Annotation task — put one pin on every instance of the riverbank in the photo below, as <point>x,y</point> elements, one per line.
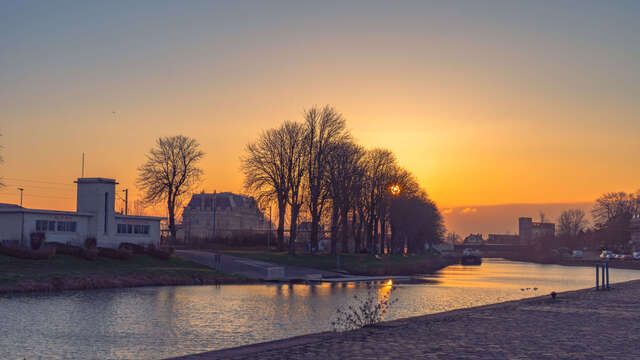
<point>583,324</point>
<point>356,264</point>
<point>565,261</point>
<point>65,272</point>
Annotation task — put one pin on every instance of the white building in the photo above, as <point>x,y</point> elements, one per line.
<point>95,218</point>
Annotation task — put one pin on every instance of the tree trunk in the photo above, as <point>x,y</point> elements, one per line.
<point>360,229</point>
<point>172,218</point>
<point>383,233</point>
<point>334,229</point>
<point>375,236</point>
<point>344,219</point>
<point>354,231</point>
<point>293,229</point>
<point>315,220</point>
<point>282,210</point>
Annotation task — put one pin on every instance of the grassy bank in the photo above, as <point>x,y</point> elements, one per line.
<point>65,272</point>
<point>359,264</point>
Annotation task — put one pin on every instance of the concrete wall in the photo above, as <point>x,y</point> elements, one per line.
<point>97,196</point>
<point>10,226</point>
<point>153,237</point>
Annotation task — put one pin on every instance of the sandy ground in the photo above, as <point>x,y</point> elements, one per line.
<point>585,324</point>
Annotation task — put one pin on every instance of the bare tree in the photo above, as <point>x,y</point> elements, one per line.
<point>571,223</point>
<point>613,205</point>
<point>171,171</point>
<point>380,169</point>
<point>344,175</point>
<point>264,166</point>
<point>323,128</point>
<point>293,134</point>
<point>138,208</point>
<point>453,238</point>
<point>612,214</point>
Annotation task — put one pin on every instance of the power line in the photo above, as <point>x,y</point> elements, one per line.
<point>38,181</point>
<point>45,187</point>
<point>27,195</point>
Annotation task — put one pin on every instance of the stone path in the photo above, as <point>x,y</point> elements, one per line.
<point>577,325</point>
<point>253,269</point>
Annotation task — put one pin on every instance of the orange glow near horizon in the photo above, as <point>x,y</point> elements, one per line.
<point>482,109</point>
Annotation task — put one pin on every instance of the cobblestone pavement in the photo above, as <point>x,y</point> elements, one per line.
<point>577,325</point>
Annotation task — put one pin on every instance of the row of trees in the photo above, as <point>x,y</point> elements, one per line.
<point>611,214</point>
<point>314,166</point>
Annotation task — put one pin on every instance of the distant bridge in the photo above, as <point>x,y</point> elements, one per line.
<point>493,250</point>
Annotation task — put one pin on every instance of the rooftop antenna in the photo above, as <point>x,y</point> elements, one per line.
<point>82,164</point>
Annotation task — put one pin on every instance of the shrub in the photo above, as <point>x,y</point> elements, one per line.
<point>37,239</point>
<point>367,311</point>
<point>134,248</point>
<point>90,243</point>
<point>77,251</point>
<point>43,253</point>
<point>121,254</point>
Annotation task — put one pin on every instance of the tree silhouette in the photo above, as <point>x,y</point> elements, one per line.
<point>171,170</point>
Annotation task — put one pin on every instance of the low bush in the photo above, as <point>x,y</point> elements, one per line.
<point>77,251</point>
<point>367,311</point>
<point>43,253</point>
<point>134,248</point>
<point>90,243</point>
<point>121,254</point>
<point>37,239</point>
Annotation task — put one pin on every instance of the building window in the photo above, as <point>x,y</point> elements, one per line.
<point>42,225</point>
<point>62,226</point>
<point>67,226</point>
<point>133,229</point>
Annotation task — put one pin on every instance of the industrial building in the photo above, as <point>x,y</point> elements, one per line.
<point>94,217</point>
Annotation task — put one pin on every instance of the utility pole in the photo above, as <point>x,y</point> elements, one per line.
<point>126,201</point>
<point>21,190</point>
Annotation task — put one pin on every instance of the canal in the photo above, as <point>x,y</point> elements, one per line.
<point>160,322</point>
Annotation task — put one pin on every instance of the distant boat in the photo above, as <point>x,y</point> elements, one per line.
<point>470,257</point>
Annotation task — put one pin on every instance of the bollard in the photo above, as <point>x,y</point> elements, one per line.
<point>597,276</point>
<point>607,276</point>
<point>602,278</point>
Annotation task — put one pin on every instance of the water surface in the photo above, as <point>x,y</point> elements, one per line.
<point>160,322</point>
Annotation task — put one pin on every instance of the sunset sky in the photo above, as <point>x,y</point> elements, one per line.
<point>485,102</point>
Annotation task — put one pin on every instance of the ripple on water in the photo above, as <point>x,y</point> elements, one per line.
<point>159,322</point>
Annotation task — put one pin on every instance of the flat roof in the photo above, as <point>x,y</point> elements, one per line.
<point>18,209</point>
<point>141,217</point>
<point>96,180</point>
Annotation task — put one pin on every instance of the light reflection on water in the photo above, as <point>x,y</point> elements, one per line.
<point>159,322</point>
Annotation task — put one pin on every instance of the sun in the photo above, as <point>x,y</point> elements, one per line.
<point>395,189</point>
